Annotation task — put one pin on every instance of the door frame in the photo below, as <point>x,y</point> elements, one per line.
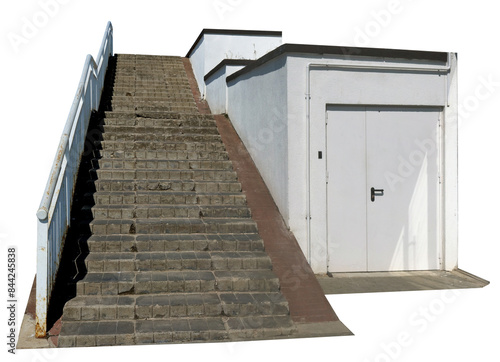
<point>440,167</point>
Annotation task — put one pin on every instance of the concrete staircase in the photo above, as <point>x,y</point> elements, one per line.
<point>174,255</point>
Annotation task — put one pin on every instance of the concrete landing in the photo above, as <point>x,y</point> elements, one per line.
<point>27,339</point>
<point>346,283</point>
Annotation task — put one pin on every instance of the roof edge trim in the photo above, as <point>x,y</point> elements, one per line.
<point>232,32</point>
<point>345,51</point>
<point>224,62</point>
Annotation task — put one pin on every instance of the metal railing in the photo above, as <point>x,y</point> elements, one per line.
<point>54,211</point>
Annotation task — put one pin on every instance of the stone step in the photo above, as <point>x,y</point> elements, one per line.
<point>164,155</point>
<point>159,71</point>
<point>172,174</point>
<point>145,68</point>
<point>175,242</point>
<point>178,330</point>
<point>150,137</point>
<point>178,130</point>
<point>155,164</point>
<point>177,260</point>
<point>150,60</point>
<point>172,226</point>
<point>148,102</point>
<point>145,90</point>
<point>161,115</point>
<point>130,97</point>
<point>186,281</point>
<point>139,94</point>
<point>140,108</point>
<point>167,185</point>
<point>153,80</point>
<point>156,72</point>
<point>167,198</point>
<point>146,122</point>
<point>115,212</point>
<point>216,146</point>
<point>179,305</point>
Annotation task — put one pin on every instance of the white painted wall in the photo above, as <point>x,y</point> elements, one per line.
<point>335,86</point>
<point>197,59</point>
<point>216,47</point>
<point>216,87</point>
<point>262,93</point>
<point>257,107</point>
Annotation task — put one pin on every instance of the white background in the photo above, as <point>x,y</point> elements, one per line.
<point>39,78</point>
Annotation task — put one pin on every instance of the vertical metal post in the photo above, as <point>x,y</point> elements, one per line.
<point>41,279</point>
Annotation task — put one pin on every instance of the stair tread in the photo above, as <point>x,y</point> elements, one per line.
<point>163,206</point>
<point>165,192</point>
<point>148,275</point>
<point>175,255</point>
<point>173,237</point>
<point>186,324</point>
<point>178,220</point>
<point>179,298</point>
<point>170,181</point>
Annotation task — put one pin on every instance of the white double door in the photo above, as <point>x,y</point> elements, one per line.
<point>383,188</point>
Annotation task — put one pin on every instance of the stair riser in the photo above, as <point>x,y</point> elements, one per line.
<point>162,146</point>
<point>166,228</point>
<point>100,213</point>
<point>153,175</point>
<point>164,185</point>
<point>160,138</point>
<point>189,264</point>
<point>157,165</point>
<point>181,286</point>
<point>147,105</point>
<point>160,116</point>
<point>164,155</point>
<point>169,199</point>
<point>138,97</point>
<point>180,109</point>
<point>150,86</point>
<point>144,122</point>
<point>163,337</point>
<point>160,130</point>
<point>144,90</point>
<point>131,312</point>
<point>179,245</point>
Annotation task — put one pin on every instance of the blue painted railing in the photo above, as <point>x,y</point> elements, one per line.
<point>54,211</point>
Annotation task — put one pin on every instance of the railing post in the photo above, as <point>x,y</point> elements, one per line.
<point>42,278</point>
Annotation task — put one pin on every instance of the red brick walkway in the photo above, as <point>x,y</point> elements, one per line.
<point>306,299</point>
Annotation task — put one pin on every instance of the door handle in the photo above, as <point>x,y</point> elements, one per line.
<point>376,192</point>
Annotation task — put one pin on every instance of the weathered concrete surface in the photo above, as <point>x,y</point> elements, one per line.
<point>345,283</point>
<point>27,339</point>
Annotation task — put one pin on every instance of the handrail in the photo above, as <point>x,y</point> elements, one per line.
<point>43,210</point>
<point>54,211</point>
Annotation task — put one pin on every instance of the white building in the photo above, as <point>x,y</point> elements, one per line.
<point>358,146</point>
